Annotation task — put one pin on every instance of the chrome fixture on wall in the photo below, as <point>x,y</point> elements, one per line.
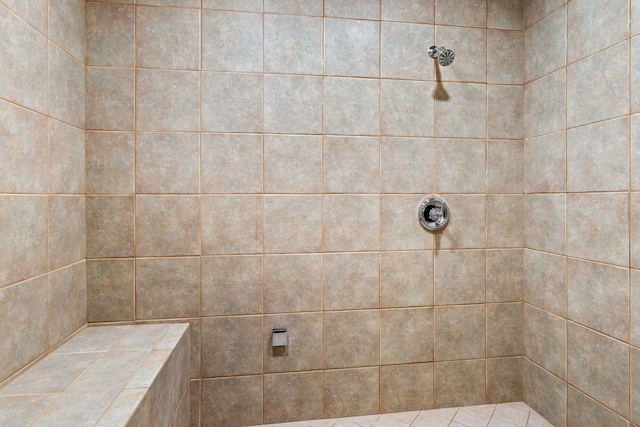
<point>445,56</point>
<point>433,213</point>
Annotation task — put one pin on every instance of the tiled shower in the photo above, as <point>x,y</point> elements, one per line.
<point>243,165</point>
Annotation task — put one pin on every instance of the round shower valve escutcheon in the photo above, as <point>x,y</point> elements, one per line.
<point>433,213</point>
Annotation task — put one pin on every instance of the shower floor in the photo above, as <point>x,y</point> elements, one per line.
<point>516,414</point>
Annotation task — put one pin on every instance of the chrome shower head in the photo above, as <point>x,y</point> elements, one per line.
<point>445,56</point>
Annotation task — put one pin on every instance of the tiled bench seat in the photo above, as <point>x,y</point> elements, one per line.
<point>111,376</point>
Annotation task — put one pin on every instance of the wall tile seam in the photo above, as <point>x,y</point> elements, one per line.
<point>40,114</point>
<point>547,14</point>
<point>2,4</point>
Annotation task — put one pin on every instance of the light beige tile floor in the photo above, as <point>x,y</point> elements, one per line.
<point>517,414</point>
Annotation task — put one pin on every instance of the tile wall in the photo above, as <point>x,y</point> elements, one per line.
<point>582,211</point>
<point>43,292</point>
<point>257,164</point>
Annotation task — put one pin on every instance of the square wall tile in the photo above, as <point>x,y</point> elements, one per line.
<point>167,288</point>
<point>233,400</point>
<point>167,163</point>
<point>304,352</point>
<point>167,38</point>
<point>292,164</point>
<point>225,221</point>
<point>293,44</point>
<point>582,410</point>
<point>352,47</point>
<point>406,108</point>
<point>232,102</point>
<point>505,65</point>
<point>33,12</point>
<point>545,163</point>
<point>403,162</point>
<point>293,397</point>
<point>461,12</point>
<point>231,346</point>
<point>460,166</point>
<point>504,380</point>
<point>403,54</point>
<point>351,281</point>
<point>459,383</point>
<point>351,106</point>
<point>350,339</point>
<point>66,158</point>
<point>231,163</point>
<point>110,98</point>
<point>167,225</point>
<point>231,285</point>
<point>546,393</point>
<point>67,301</point>
<point>460,332</point>
<point>470,44</point>
<point>406,388</point>
<point>545,340</point>
<point>364,9</point>
<point>461,100</point>
<point>345,228</point>
<point>292,104</point>
<point>459,277</point>
<point>231,41</point>
<point>67,26</point>
<point>67,230</point>
<point>506,14</point>
<point>544,222</point>
<point>111,290</point>
<point>406,279</point>
<point>504,225</point>
<point>292,224</point>
<point>23,151</point>
<point>546,105</point>
<point>242,5</point>
<point>167,100</point>
<point>294,7</point>
<point>504,166</point>
<point>535,10</point>
<point>408,10</point>
<point>505,275</point>
<point>408,329</point>
<point>67,93</point>
<point>110,226</point>
<point>544,281</point>
<point>292,283</point>
<point>504,330</point>
<point>467,227</point>
<point>110,162</point>
<point>350,392</point>
<point>505,107</point>
<point>110,35</point>
<point>399,229</point>
<point>351,165</point>
<point>24,230</point>
<point>547,35</point>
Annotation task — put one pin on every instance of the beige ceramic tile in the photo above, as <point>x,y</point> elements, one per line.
<point>460,332</point>
<point>292,224</point>
<point>67,301</point>
<point>504,380</point>
<point>83,405</point>
<point>403,163</point>
<point>232,102</point>
<point>350,339</point>
<point>110,162</point>
<point>351,164</point>
<point>67,230</point>
<point>232,400</point>
<point>225,222</point>
<point>457,100</point>
<point>365,9</point>
<point>406,387</point>
<point>24,409</point>
<point>231,346</point>
<point>292,104</point>
<point>635,385</point>
<point>546,105</point>
<point>545,349</point>
<point>545,163</point>
<point>504,166</point>
<point>504,330</point>
<point>635,75</point>
<point>110,290</point>
<point>399,228</point>
<point>66,94</point>
<point>504,222</point>
<point>352,47</point>
<point>294,7</point>
<point>292,164</point>
<point>345,228</point>
<point>231,285</point>
<point>505,275</point>
<point>544,222</point>
<point>459,383</point>
<point>535,10</point>
<point>110,35</point>
<point>408,11</point>
<point>34,12</point>
<point>505,107</point>
<point>231,41</point>
<point>544,281</point>
<point>66,158</point>
<point>467,43</point>
<point>460,166</point>
<point>506,14</point>
<point>110,98</point>
<point>351,106</point>
<point>292,397</point>
<point>304,351</point>
<point>67,26</point>
<point>292,44</point>
<point>505,64</point>
<point>399,289</point>
<point>110,226</point>
<point>459,277</point>
<point>546,35</point>
<point>461,12</point>
<point>634,298</point>
<point>408,329</point>
<point>400,56</point>
<point>351,281</point>
<point>292,283</point>
<point>406,108</point>
<point>467,227</point>
<point>635,152</point>
<point>546,393</point>
<point>243,5</point>
<point>231,163</point>
<point>350,392</point>
<point>582,410</point>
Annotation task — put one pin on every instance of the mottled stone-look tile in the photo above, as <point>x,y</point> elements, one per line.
<point>350,392</point>
<point>232,102</point>
<point>304,351</point>
<point>167,38</point>
<point>242,5</point>
<point>66,157</point>
<point>591,238</point>
<point>545,163</point>
<point>399,289</point>
<point>292,44</point>
<point>23,228</point>
<point>459,383</point>
<point>460,166</point>
<point>505,107</point>
<point>167,225</point>
<point>504,224</point>
<point>504,166</point>
<point>506,14</point>
<point>461,12</point>
<point>110,226</point>
<point>131,405</point>
<point>231,41</point>
<point>110,98</point>
<point>582,410</point>
<point>292,283</point>
<point>292,164</point>
<point>546,105</point>
<point>110,290</point>
<point>111,371</point>
<point>546,35</point>
<point>167,288</point>
<point>466,228</point>
<point>599,366</point>
<point>597,157</point>
<point>505,65</point>
<point>231,285</point>
<point>406,387</point>
<point>352,48</point>
<point>34,12</point>
<point>176,3</point>
<point>535,10</point>
<point>545,340</point>
<point>401,56</point>
<point>77,408</point>
<point>350,339</point>
<point>504,380</point>
<point>351,106</point>
<point>231,346</point>
<point>294,7</point>
<point>344,226</point>
<point>22,74</point>
<point>351,281</point>
<point>364,9</point>
<point>110,162</point>
<point>232,401</point>
<point>634,299</point>
<point>292,224</point>
<point>293,397</point>
<point>635,74</point>
<point>505,275</point>
<point>468,43</point>
<point>406,108</point>
<point>21,410</point>
<point>399,229</point>
<point>167,100</point>
<point>457,100</point>
<point>408,10</point>
<point>594,289</point>
<point>231,163</point>
<point>67,301</point>
<point>67,230</point>
<point>25,313</point>
<point>544,222</point>
<point>544,281</point>
<point>504,329</point>
<point>23,150</point>
<point>459,277</point>
<point>110,35</point>
<point>66,94</point>
<point>167,163</point>
<point>403,162</point>
<point>460,332</point>
<point>546,393</point>
<point>597,88</point>
<point>635,152</point>
<point>292,104</point>
<point>232,224</point>
<point>411,330</point>
<point>67,26</point>
<point>351,165</point>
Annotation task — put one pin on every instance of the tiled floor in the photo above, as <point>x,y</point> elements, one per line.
<point>516,414</point>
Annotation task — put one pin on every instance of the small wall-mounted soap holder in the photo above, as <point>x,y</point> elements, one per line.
<point>279,337</point>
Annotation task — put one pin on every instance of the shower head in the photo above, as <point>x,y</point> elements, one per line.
<point>445,56</point>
